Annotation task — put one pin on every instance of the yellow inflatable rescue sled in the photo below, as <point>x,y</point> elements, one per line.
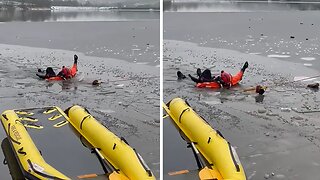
<point>118,160</point>
<point>31,162</point>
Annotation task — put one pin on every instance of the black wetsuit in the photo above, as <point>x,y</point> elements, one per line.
<point>205,76</point>
<point>49,73</point>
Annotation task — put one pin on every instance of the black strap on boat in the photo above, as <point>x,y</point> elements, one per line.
<point>50,109</point>
<point>5,116</point>
<point>106,165</point>
<point>5,162</point>
<point>85,109</point>
<point>209,139</point>
<point>103,166</point>
<point>204,119</point>
<point>101,161</point>
<point>20,151</point>
<point>13,140</point>
<point>31,118</point>
<point>220,134</point>
<point>83,120</point>
<point>60,123</point>
<point>55,116</point>
<point>182,113</point>
<point>196,156</point>
<point>40,173</point>
<point>114,146</point>
<point>233,159</point>
<point>144,165</point>
<point>188,103</point>
<point>67,111</point>
<point>168,104</point>
<point>124,140</point>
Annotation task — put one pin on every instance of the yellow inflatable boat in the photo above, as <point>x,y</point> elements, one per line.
<point>118,160</point>
<point>32,165</point>
<point>115,152</point>
<point>222,162</point>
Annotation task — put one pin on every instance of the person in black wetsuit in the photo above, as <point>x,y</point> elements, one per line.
<point>204,76</point>
<point>48,73</point>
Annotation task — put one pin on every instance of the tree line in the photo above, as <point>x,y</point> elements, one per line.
<point>39,3</point>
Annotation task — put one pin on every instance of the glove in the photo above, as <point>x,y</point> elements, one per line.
<point>199,72</point>
<point>180,75</point>
<point>75,57</point>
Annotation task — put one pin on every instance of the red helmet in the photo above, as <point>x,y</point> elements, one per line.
<point>226,78</point>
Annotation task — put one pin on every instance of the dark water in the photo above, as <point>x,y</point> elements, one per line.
<point>73,14</point>
<point>286,35</point>
<point>176,147</point>
<point>133,40</point>
<point>238,6</point>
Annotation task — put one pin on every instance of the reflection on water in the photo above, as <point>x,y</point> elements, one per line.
<point>238,6</point>
<point>47,15</point>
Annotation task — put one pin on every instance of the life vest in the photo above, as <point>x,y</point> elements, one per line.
<point>66,72</point>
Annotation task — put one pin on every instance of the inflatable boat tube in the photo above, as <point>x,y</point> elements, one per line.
<point>123,159</point>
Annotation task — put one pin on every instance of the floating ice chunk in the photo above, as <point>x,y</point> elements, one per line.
<point>255,53</point>
<point>315,164</point>
<point>280,176</point>
<point>212,102</point>
<point>308,58</point>
<point>255,155</point>
<point>285,109</point>
<point>106,111</point>
<point>142,63</point>
<point>299,78</point>
<point>307,64</point>
<point>272,114</point>
<point>262,111</point>
<point>278,56</point>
